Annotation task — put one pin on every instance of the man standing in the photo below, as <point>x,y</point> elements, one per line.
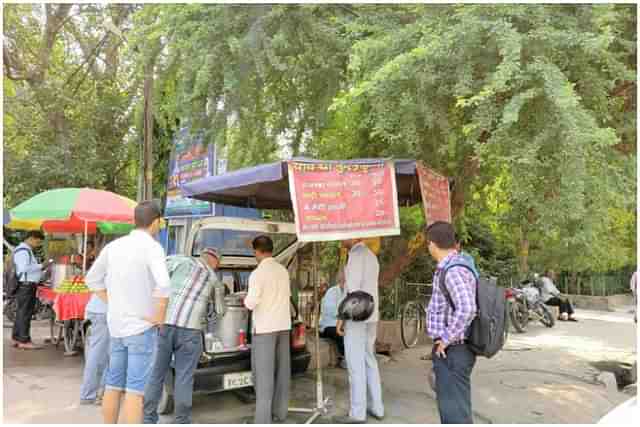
<point>551,295</point>
<point>180,337</point>
<point>329,316</point>
<point>96,353</point>
<point>269,297</point>
<point>29,274</point>
<point>447,325</point>
<point>361,274</point>
<point>131,276</point>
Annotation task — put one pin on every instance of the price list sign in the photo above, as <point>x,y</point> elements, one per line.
<point>435,194</point>
<point>342,200</point>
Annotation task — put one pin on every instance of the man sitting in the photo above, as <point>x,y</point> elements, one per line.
<point>329,316</point>
<point>551,296</point>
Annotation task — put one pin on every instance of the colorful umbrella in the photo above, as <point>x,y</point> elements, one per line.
<point>75,210</point>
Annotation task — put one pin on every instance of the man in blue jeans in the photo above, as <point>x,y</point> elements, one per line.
<point>192,283</point>
<point>97,353</point>
<point>130,276</point>
<point>447,325</point>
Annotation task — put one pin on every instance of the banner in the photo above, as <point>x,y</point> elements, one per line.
<point>336,200</point>
<point>435,194</point>
<point>190,159</point>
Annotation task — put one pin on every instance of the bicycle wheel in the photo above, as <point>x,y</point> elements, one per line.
<point>411,323</point>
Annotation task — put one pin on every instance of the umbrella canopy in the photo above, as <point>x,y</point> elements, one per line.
<point>68,209</point>
<point>267,186</point>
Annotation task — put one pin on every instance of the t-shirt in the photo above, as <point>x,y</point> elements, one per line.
<point>133,271</point>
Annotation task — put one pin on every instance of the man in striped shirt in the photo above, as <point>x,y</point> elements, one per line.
<point>447,324</point>
<point>192,283</point>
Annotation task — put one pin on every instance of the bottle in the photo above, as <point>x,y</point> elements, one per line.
<point>242,338</point>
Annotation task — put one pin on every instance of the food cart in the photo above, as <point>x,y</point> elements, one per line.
<point>73,214</point>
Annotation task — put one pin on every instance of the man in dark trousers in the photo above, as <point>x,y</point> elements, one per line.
<point>29,273</point>
<point>269,298</point>
<point>447,325</point>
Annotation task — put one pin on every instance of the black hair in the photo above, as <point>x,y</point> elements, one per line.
<point>263,244</point>
<point>36,234</point>
<point>146,212</point>
<point>442,234</point>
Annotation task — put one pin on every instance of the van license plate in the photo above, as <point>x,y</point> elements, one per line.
<point>239,380</point>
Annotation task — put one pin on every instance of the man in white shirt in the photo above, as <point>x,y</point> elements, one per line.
<point>269,298</point>
<point>131,276</point>
<point>360,337</point>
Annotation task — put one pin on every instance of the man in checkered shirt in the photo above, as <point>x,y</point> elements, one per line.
<point>453,361</point>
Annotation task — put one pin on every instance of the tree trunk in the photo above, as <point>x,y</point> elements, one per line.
<point>524,254</point>
<point>147,192</point>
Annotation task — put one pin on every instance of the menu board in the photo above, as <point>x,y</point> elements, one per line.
<point>190,159</point>
<point>435,194</point>
<point>341,200</point>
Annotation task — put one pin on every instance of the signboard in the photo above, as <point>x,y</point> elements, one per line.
<point>435,194</point>
<point>190,159</point>
<point>342,200</point>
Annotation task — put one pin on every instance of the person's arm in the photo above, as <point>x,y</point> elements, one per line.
<point>22,259</point>
<point>255,292</point>
<point>162,290</point>
<point>95,278</point>
<point>355,272</point>
<point>460,283</point>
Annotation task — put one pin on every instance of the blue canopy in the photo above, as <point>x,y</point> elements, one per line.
<point>267,186</point>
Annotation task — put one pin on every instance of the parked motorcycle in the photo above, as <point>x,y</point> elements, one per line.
<point>43,309</point>
<point>525,305</point>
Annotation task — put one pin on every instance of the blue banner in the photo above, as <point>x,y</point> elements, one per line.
<point>191,159</point>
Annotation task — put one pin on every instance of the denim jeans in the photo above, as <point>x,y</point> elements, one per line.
<point>185,345</point>
<point>97,357</point>
<point>453,384</point>
<point>130,362</point>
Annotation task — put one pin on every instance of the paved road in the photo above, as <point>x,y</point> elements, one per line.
<point>544,376</point>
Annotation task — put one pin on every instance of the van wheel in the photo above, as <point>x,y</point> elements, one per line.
<point>166,404</point>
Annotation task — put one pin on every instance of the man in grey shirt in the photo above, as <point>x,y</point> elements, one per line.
<point>360,337</point>
<point>550,295</point>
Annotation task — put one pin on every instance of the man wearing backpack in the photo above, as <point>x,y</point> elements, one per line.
<point>28,274</point>
<point>453,359</point>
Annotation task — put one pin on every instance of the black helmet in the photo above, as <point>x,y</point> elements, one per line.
<point>357,306</point>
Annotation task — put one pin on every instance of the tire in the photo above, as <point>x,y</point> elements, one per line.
<point>71,335</point>
<point>519,316</point>
<point>167,403</point>
<point>546,318</point>
<point>411,323</point>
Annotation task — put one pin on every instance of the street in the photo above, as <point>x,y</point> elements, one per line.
<point>543,376</point>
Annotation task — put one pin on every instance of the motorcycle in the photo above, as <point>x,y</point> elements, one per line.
<point>526,305</point>
<point>43,309</point>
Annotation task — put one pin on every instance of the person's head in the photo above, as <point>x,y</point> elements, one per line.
<point>211,256</point>
<point>262,247</point>
<point>34,238</point>
<point>441,239</point>
<point>350,243</point>
<point>91,248</point>
<point>342,278</point>
<point>148,217</point>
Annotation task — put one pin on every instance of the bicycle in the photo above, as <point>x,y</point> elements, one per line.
<point>412,314</point>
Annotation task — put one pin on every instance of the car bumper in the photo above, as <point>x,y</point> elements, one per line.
<point>209,377</point>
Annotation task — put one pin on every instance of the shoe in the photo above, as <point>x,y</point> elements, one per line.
<point>345,419</point>
<point>29,346</point>
<point>572,319</point>
<point>377,417</point>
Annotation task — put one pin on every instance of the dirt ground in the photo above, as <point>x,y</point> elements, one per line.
<point>543,376</point>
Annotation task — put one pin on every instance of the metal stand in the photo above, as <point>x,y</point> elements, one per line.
<point>322,402</point>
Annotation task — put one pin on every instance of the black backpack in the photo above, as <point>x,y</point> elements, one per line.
<point>11,279</point>
<point>488,330</point>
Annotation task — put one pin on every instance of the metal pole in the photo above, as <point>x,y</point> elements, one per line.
<point>319,391</point>
<point>84,251</point>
